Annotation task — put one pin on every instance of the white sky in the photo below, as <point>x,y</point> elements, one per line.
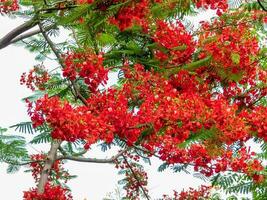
<point>94,180</point>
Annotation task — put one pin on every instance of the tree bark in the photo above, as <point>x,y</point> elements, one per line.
<point>6,40</point>
<point>51,157</point>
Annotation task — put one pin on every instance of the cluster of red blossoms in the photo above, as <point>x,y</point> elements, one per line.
<point>135,178</point>
<point>50,193</point>
<point>203,192</point>
<point>168,113</point>
<point>209,161</point>
<point>219,5</point>
<point>139,12</point>
<point>176,45</point>
<point>134,13</point>
<point>36,78</point>
<point>248,90</point>
<point>36,167</point>
<point>87,65</point>
<point>233,49</point>
<point>7,6</point>
<point>257,120</point>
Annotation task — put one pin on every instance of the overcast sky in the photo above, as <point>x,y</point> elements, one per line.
<point>94,180</point>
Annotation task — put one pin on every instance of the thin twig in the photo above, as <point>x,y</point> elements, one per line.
<point>263,8</point>
<point>136,178</point>
<point>55,51</point>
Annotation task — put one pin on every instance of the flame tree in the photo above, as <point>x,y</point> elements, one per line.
<point>191,97</point>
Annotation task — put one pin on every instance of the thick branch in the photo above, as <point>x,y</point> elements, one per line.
<point>51,157</point>
<point>93,160</point>
<point>29,34</point>
<point>7,39</point>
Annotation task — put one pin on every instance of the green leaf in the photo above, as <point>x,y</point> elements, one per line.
<point>201,135</point>
<point>106,39</point>
<point>12,150</point>
<point>162,167</point>
<point>37,95</point>
<point>75,14</point>
<point>44,137</point>
<point>12,169</point>
<point>24,127</point>
<point>235,58</point>
<point>180,48</point>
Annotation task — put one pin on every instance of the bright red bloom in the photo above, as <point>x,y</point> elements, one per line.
<point>135,13</point>
<point>50,193</point>
<point>36,167</point>
<point>176,41</point>
<point>7,6</point>
<point>233,49</point>
<point>219,5</point>
<point>36,78</point>
<point>202,192</point>
<point>87,65</point>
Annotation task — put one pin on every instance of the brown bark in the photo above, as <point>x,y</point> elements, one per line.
<point>51,157</point>
<point>6,40</point>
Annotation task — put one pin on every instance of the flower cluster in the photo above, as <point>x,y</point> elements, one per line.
<point>37,166</point>
<point>51,192</point>
<point>233,49</point>
<point>203,192</point>
<point>161,114</point>
<point>248,90</point>
<point>36,78</point>
<point>68,123</point>
<point>8,6</point>
<point>99,121</point>
<point>87,65</point>
<point>135,13</point>
<point>219,5</point>
<point>175,44</point>
<point>135,178</point>
<point>257,119</point>
<point>209,159</point>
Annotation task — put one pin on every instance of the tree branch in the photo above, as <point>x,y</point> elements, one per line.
<point>29,34</point>
<point>265,9</point>
<point>93,160</point>
<point>7,39</point>
<point>55,51</point>
<point>51,157</point>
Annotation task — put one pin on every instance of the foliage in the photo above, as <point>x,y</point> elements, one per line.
<point>192,97</point>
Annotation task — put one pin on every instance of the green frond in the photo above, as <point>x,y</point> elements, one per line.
<point>12,150</point>
<point>104,146</point>
<point>201,135</point>
<point>163,166</point>
<point>73,15</point>
<point>43,137</point>
<point>180,167</point>
<point>11,169</point>
<point>36,95</point>
<point>234,183</point>
<point>24,127</point>
<point>201,176</point>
